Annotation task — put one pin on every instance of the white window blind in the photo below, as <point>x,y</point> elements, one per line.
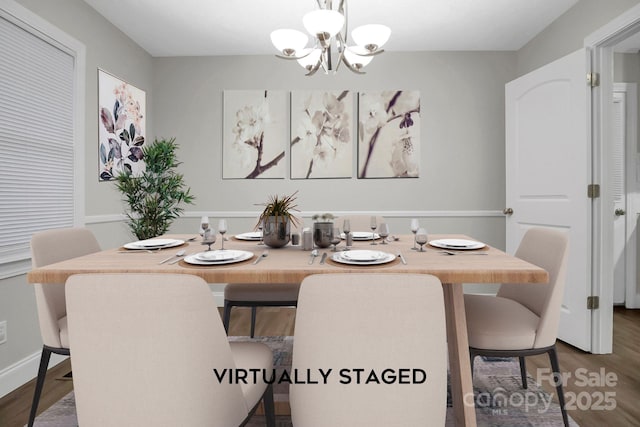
<point>36,139</point>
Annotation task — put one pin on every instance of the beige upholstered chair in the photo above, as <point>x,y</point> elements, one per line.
<point>522,320</point>
<point>258,295</point>
<point>379,323</point>
<point>48,247</point>
<point>150,350</point>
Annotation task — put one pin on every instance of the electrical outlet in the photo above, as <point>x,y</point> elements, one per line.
<point>3,332</point>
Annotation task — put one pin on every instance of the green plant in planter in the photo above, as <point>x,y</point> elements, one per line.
<point>153,199</point>
<point>276,220</point>
<point>281,207</point>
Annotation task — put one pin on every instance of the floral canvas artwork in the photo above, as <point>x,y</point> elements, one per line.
<point>121,127</point>
<point>322,134</point>
<point>389,134</point>
<point>254,134</point>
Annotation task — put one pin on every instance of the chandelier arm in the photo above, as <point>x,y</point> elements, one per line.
<point>295,57</point>
<point>351,67</point>
<point>288,57</point>
<point>314,69</point>
<point>374,53</point>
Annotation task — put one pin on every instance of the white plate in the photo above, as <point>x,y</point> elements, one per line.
<point>361,235</point>
<point>154,244</point>
<point>219,256</point>
<point>363,256</point>
<point>460,244</point>
<point>253,235</point>
<point>193,259</point>
<point>338,257</point>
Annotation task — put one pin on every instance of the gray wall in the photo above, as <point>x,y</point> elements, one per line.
<point>567,33</point>
<point>462,133</point>
<point>109,49</point>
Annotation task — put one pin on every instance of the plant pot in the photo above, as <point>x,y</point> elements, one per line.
<point>276,231</point>
<point>322,234</point>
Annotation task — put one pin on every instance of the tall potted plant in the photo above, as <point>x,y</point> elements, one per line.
<point>154,198</point>
<point>276,219</point>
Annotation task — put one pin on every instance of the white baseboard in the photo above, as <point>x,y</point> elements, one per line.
<point>24,371</point>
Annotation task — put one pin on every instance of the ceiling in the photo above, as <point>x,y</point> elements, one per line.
<point>242,27</point>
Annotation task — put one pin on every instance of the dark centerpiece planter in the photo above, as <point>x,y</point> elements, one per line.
<point>322,233</point>
<point>276,231</point>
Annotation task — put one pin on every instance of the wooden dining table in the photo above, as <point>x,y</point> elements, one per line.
<point>291,264</point>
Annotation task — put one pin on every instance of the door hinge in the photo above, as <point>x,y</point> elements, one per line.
<point>593,191</point>
<point>593,79</point>
<point>593,303</point>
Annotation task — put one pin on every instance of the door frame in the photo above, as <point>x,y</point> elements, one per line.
<point>601,43</point>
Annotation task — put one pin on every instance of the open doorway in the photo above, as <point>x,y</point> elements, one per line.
<point>625,180</point>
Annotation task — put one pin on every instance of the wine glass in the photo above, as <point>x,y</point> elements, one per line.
<point>373,224</point>
<point>222,228</point>
<point>209,237</point>
<point>421,238</point>
<point>415,225</point>
<point>346,227</point>
<point>335,238</point>
<point>383,231</point>
<point>260,223</point>
<point>204,223</point>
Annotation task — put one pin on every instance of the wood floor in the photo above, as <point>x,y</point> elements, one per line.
<point>591,382</point>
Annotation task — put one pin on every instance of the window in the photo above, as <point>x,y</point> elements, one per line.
<point>40,176</point>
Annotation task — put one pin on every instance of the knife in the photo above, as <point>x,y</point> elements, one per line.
<point>324,256</point>
<point>314,254</point>
<point>404,261</point>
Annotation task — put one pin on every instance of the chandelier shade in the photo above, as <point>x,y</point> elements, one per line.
<point>310,57</point>
<point>323,22</point>
<point>371,36</point>
<point>329,48</point>
<point>289,42</point>
<point>357,56</point>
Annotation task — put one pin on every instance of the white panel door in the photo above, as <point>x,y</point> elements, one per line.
<point>548,168</point>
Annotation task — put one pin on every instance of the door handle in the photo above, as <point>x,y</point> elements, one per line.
<point>507,211</point>
<point>619,212</point>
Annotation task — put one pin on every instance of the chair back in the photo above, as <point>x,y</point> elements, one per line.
<point>548,249</point>
<point>379,324</point>
<point>48,247</point>
<point>144,351</point>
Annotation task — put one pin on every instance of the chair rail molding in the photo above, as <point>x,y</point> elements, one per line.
<point>107,218</point>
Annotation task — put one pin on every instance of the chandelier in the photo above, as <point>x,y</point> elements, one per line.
<point>328,28</point>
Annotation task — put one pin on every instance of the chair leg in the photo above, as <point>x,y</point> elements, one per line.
<point>555,366</point>
<point>472,356</point>
<point>226,316</point>
<point>269,407</point>
<point>523,372</point>
<point>42,372</point>
<point>253,321</point>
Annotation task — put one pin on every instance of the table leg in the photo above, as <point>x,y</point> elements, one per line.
<point>459,365</point>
